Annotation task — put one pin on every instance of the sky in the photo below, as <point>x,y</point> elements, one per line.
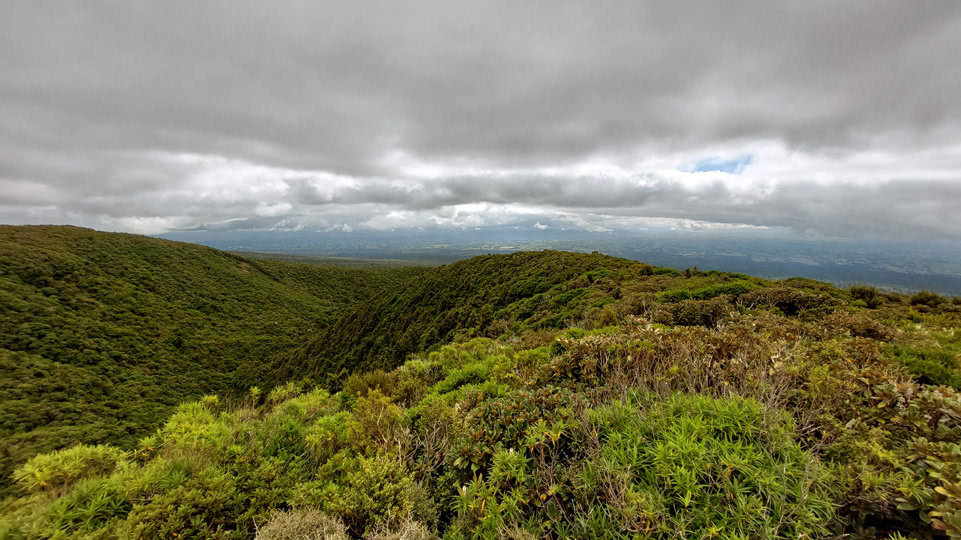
<point>840,119</point>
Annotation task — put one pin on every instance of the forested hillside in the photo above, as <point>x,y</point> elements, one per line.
<point>441,302</point>
<point>493,294</point>
<point>102,334</point>
<point>524,396</point>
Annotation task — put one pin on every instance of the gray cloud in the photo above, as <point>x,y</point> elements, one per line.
<point>177,114</point>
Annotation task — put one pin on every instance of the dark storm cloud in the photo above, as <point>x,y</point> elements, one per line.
<point>149,116</point>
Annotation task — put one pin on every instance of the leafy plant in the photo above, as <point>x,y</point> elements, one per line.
<point>694,466</point>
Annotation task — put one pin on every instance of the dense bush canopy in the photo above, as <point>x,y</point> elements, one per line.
<point>101,334</point>
<point>550,395</point>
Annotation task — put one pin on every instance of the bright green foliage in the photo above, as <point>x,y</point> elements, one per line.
<point>937,366</point>
<point>102,334</point>
<point>699,467</point>
<point>60,470</point>
<point>941,496</point>
<point>372,490</point>
<point>211,472</point>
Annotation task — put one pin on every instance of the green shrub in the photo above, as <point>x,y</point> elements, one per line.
<point>698,467</point>
<point>706,313</point>
<point>940,500</point>
<point>859,325</point>
<point>284,392</point>
<point>206,505</point>
<point>487,506</point>
<point>358,384</point>
<point>790,300</point>
<point>868,295</point>
<point>674,296</point>
<point>414,383</point>
<point>473,373</point>
<point>327,436</point>
<point>376,424</point>
<point>363,493</point>
<point>59,471</point>
<point>306,407</point>
<point>713,290</point>
<point>194,432</point>
<point>527,287</point>
<point>92,504</point>
<point>155,477</point>
<point>505,423</point>
<point>921,444</point>
<point>930,366</point>
<point>928,299</point>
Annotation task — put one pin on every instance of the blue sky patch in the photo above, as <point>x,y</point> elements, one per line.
<point>730,166</point>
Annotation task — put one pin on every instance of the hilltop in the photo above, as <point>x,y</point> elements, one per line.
<point>532,395</point>
<point>102,334</point>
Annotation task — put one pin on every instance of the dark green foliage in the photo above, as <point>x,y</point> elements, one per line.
<point>927,299</point>
<point>792,301</point>
<point>513,421</point>
<point>358,384</point>
<point>706,313</point>
<point>868,295</point>
<point>735,288</point>
<point>535,289</point>
<point>102,334</point>
<point>494,294</point>
<point>931,366</point>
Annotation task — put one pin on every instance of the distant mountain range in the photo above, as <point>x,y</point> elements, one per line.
<point>896,266</point>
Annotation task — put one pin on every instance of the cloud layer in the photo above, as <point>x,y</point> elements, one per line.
<point>842,119</point>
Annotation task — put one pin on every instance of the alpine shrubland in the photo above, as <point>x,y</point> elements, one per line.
<point>553,395</point>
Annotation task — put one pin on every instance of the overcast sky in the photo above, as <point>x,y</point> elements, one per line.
<point>842,118</point>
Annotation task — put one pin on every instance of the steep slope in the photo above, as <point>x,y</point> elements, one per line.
<point>494,294</point>
<point>102,334</point>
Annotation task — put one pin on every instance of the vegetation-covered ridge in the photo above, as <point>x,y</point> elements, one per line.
<point>608,400</point>
<point>486,296</point>
<point>102,334</point>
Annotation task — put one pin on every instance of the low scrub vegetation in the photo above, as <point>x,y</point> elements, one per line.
<point>759,426</point>
<point>496,398</point>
